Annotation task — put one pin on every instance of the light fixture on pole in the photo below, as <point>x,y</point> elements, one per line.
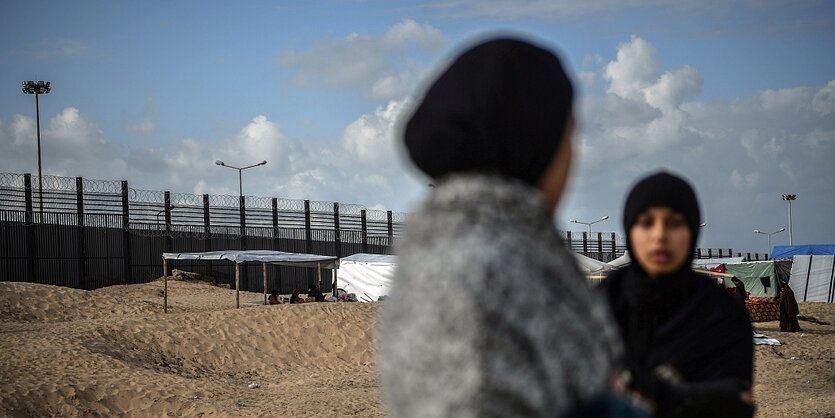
<point>37,88</point>
<point>589,224</point>
<point>703,224</point>
<point>757,231</point>
<point>240,170</point>
<point>789,198</point>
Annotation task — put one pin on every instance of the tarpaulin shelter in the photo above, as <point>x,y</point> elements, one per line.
<point>244,256</point>
<point>755,275</point>
<point>368,276</point>
<point>813,278</point>
<point>812,271</point>
<point>789,251</point>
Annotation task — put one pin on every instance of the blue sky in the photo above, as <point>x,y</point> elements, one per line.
<point>735,95</point>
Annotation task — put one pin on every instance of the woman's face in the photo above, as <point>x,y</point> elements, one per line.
<point>660,240</point>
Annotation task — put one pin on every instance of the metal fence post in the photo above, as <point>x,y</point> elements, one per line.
<point>28,222</point>
<point>275,223</point>
<point>364,232</point>
<point>600,246</point>
<point>614,247</point>
<point>207,224</point>
<point>390,248</point>
<point>308,234</point>
<point>337,239</point>
<point>585,243</point>
<point>169,242</point>
<point>242,203</point>
<point>126,253</point>
<point>82,241</point>
<point>568,239</point>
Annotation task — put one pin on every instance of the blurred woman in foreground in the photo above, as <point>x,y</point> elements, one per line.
<point>688,344</point>
<point>489,314</point>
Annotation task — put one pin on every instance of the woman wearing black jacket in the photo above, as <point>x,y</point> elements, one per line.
<point>689,351</point>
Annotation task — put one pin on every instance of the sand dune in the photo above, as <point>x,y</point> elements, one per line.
<point>113,352</point>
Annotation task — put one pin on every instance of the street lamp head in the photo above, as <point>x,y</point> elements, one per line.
<point>572,220</point>
<point>781,229</point>
<point>262,162</point>
<point>604,218</point>
<point>757,231</point>
<point>789,197</point>
<point>218,162</point>
<point>39,87</point>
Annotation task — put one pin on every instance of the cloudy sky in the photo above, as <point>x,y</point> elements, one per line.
<point>739,96</point>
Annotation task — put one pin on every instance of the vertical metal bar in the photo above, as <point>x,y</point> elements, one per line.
<point>165,281</point>
<point>585,243</point>
<point>308,233</point>
<point>275,224</point>
<point>334,286</point>
<point>364,231</point>
<point>237,285</point>
<point>126,252</point>
<point>169,242</point>
<point>28,223</point>
<point>264,273</point>
<point>390,249</point>
<point>319,276</point>
<point>337,239</point>
<point>82,230</point>
<point>614,247</point>
<point>600,245</point>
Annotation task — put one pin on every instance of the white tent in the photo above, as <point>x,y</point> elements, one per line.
<point>813,278</point>
<point>709,263</point>
<point>621,261</point>
<point>369,276</point>
<point>589,265</point>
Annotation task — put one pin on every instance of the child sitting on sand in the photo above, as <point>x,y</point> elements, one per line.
<point>295,298</point>
<point>273,299</point>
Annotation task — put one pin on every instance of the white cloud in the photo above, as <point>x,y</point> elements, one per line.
<point>148,122</point>
<point>740,154</point>
<point>824,100</point>
<point>502,9</point>
<point>381,67</point>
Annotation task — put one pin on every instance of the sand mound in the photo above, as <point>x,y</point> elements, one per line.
<point>113,352</point>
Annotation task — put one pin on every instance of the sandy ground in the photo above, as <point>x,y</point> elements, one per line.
<point>66,352</point>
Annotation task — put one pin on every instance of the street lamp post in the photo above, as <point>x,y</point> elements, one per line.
<point>37,88</point>
<point>757,231</point>
<point>589,224</point>
<point>789,198</point>
<point>240,170</point>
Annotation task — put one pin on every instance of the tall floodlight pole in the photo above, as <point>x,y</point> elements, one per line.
<point>37,88</point>
<point>240,175</point>
<point>789,198</point>
<point>757,231</point>
<point>589,224</point>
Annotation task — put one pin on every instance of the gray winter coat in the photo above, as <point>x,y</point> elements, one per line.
<point>489,314</point>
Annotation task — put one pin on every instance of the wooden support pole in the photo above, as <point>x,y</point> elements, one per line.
<point>319,276</point>
<point>165,280</point>
<point>264,271</point>
<point>237,285</point>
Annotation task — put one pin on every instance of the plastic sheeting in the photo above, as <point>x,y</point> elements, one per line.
<point>789,251</point>
<point>813,278</point>
<point>710,263</point>
<point>750,274</point>
<point>621,261</point>
<point>589,265</point>
<point>263,256</point>
<point>369,276</point>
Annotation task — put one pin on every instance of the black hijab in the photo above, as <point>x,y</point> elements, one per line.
<point>501,107</point>
<point>684,320</point>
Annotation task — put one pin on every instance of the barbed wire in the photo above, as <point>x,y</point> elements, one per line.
<point>146,196</point>
<point>376,215</point>
<point>186,199</point>
<point>12,180</point>
<point>321,206</point>
<point>350,209</point>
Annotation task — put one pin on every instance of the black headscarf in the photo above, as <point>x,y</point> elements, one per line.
<point>683,319</point>
<point>501,107</point>
<point>665,190</point>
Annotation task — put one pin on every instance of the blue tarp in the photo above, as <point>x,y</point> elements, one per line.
<point>789,251</point>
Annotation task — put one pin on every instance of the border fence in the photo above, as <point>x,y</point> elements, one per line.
<point>87,234</point>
